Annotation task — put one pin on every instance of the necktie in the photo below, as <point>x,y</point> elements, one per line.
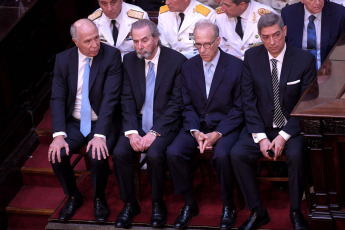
<point>208,77</point>
<point>182,18</point>
<point>115,31</point>
<point>311,37</point>
<point>238,28</point>
<point>85,110</point>
<point>278,117</point>
<point>147,120</point>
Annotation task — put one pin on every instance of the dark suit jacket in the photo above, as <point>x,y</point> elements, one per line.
<point>298,70</point>
<point>222,109</point>
<point>332,25</point>
<point>104,87</point>
<point>167,96</point>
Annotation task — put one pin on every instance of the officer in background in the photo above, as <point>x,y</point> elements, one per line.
<point>114,20</point>
<point>237,21</point>
<point>176,22</point>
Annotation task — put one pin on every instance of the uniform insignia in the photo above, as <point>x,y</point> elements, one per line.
<point>163,9</point>
<point>254,17</point>
<point>202,10</point>
<point>191,36</point>
<point>95,15</point>
<point>129,37</point>
<point>263,11</point>
<point>135,14</point>
<point>257,36</point>
<point>251,45</point>
<point>225,39</point>
<point>219,10</point>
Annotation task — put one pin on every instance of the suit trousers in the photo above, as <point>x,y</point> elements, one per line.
<point>245,154</point>
<point>181,153</point>
<point>99,168</point>
<point>124,158</point>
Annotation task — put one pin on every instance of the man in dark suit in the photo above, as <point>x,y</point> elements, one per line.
<point>82,106</point>
<point>314,25</point>
<point>151,109</point>
<point>275,75</point>
<point>212,118</point>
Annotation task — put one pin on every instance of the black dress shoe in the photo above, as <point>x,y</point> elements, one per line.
<point>101,210</point>
<point>228,218</point>
<point>298,221</point>
<point>255,221</point>
<point>68,210</point>
<point>159,215</point>
<point>185,216</point>
<point>125,217</point>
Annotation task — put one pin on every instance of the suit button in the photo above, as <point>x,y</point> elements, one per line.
<point>180,50</point>
<point>179,39</point>
<point>242,48</point>
<point>206,114</point>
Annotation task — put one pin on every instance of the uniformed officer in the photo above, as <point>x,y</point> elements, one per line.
<point>237,21</point>
<point>114,20</point>
<point>176,22</point>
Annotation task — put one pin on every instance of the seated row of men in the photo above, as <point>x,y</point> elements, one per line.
<point>237,21</point>
<point>239,109</point>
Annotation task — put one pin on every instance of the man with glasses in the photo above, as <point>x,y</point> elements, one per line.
<point>237,21</point>
<point>275,75</point>
<point>212,118</point>
<point>314,25</point>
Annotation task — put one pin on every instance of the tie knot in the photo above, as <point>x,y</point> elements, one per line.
<point>88,61</point>
<point>274,62</point>
<point>150,64</point>
<point>311,18</point>
<point>113,22</point>
<point>238,18</point>
<point>181,15</point>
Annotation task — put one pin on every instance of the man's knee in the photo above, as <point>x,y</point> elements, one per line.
<point>155,157</point>
<point>63,156</point>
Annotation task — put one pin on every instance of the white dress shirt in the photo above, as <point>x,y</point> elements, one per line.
<point>280,58</point>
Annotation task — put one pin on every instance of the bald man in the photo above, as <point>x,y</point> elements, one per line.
<point>85,91</point>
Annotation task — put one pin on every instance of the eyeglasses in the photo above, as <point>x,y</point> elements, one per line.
<point>205,45</point>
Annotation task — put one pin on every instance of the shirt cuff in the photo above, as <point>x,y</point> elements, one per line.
<point>100,135</point>
<point>59,134</point>
<point>131,132</point>
<point>257,137</point>
<point>192,130</point>
<point>220,134</point>
<point>285,135</point>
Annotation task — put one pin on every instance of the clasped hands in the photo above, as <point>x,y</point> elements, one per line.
<point>277,145</point>
<point>206,141</point>
<point>139,143</point>
<point>98,145</point>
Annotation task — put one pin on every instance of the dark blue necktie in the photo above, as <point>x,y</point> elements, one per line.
<point>311,37</point>
<point>85,110</point>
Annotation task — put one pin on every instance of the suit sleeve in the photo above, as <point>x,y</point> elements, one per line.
<point>292,127</point>
<point>111,94</point>
<point>173,109</point>
<point>253,119</point>
<point>190,117</point>
<point>234,118</point>
<point>58,97</point>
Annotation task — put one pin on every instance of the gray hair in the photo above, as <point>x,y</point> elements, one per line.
<point>146,22</point>
<point>202,24</point>
<point>73,29</point>
<point>237,2</point>
<point>270,19</point>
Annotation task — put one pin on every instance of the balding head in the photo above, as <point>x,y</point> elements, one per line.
<point>85,36</point>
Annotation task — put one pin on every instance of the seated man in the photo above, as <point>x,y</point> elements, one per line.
<point>86,88</point>
<point>151,110</point>
<point>275,75</point>
<point>114,20</point>
<point>212,118</point>
<point>314,25</point>
<point>176,22</point>
<point>237,21</point>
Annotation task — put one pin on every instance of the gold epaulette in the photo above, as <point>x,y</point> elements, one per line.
<point>135,14</point>
<point>219,10</point>
<point>263,11</point>
<point>95,15</point>
<point>163,9</point>
<point>202,10</point>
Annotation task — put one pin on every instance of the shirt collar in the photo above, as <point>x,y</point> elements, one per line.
<point>82,57</point>
<point>307,14</point>
<point>215,60</point>
<point>155,59</point>
<point>245,14</point>
<point>280,57</point>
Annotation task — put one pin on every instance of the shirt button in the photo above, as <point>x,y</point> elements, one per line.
<point>242,48</point>
<point>180,50</point>
<point>179,39</point>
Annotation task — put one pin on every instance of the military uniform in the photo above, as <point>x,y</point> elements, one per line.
<point>128,15</point>
<point>182,39</point>
<point>230,40</point>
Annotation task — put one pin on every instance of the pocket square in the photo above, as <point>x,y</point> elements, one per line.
<point>293,82</point>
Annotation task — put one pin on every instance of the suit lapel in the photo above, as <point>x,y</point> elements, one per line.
<point>140,67</point>
<point>266,70</point>
<point>217,77</point>
<point>325,29</point>
<point>161,68</point>
<point>200,77</point>
<point>95,66</point>
<point>285,71</point>
<point>73,70</point>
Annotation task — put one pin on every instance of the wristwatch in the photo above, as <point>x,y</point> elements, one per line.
<point>154,133</point>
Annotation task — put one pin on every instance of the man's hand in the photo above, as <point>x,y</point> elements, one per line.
<point>199,137</point>
<point>211,139</point>
<point>264,145</point>
<point>135,141</point>
<point>277,145</point>
<point>55,148</point>
<point>99,146</point>
<point>147,140</point>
